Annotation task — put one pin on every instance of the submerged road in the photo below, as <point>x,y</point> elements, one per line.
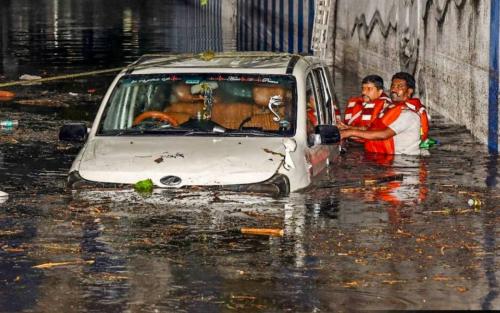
<point>352,242</point>
<point>348,243</point>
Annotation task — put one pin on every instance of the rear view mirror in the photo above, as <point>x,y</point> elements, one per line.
<point>329,134</point>
<point>75,132</point>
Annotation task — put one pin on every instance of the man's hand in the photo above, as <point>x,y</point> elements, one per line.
<point>341,125</point>
<point>367,134</point>
<point>345,133</point>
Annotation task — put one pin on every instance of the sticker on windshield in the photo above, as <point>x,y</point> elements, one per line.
<point>152,80</point>
<point>233,78</point>
<point>269,80</point>
<point>197,80</point>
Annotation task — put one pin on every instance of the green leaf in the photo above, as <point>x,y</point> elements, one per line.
<point>203,2</point>
<point>144,186</point>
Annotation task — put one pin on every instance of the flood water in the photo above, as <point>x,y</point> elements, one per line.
<point>348,244</point>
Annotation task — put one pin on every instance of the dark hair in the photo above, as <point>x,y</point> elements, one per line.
<point>376,80</point>
<point>407,77</point>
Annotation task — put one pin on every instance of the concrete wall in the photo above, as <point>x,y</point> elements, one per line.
<point>444,43</point>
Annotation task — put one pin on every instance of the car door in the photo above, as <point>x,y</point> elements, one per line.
<point>319,111</point>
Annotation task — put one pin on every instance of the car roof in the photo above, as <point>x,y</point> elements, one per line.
<point>254,61</point>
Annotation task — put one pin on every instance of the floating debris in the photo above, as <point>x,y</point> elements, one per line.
<point>474,202</point>
<point>11,232</point>
<point>29,77</point>
<point>56,264</point>
<point>276,232</point>
<point>6,95</point>
<point>144,186</point>
<point>43,102</point>
<point>3,196</point>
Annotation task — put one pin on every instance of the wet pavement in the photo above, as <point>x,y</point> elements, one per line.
<point>357,240</point>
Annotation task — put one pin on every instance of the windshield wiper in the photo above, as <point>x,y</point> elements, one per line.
<point>142,131</point>
<point>215,131</point>
<point>256,132</point>
<point>121,132</point>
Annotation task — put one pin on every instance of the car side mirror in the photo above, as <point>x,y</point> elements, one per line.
<point>329,134</point>
<point>75,132</point>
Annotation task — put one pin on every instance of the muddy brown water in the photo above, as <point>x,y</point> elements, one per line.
<point>348,244</point>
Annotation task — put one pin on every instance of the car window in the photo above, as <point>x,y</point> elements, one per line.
<point>319,96</point>
<point>327,98</point>
<point>232,103</point>
<point>312,115</point>
<point>332,101</point>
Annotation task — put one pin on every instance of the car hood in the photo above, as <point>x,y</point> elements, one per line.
<point>195,160</point>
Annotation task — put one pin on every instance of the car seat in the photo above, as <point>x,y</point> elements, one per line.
<point>262,117</point>
<point>184,105</point>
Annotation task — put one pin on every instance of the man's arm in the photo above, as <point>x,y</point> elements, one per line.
<point>367,134</point>
<point>342,126</point>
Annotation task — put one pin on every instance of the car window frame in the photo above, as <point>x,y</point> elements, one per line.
<point>294,103</point>
<point>330,86</point>
<point>319,96</point>
<point>326,95</point>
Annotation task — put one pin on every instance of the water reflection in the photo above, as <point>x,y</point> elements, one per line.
<point>173,251</point>
<point>354,238</point>
<point>77,33</point>
<point>354,241</point>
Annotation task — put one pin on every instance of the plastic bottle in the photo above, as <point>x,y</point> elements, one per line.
<point>9,123</point>
<point>429,142</point>
<point>474,202</point>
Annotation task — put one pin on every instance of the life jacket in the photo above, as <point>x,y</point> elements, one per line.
<point>389,115</point>
<point>336,110</point>
<point>415,105</point>
<point>385,118</point>
<point>311,116</point>
<point>360,113</point>
<point>354,105</point>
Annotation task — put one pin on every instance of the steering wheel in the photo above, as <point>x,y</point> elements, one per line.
<point>162,116</point>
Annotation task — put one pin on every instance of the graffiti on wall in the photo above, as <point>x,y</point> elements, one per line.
<point>440,11</point>
<point>402,20</point>
<point>365,28</point>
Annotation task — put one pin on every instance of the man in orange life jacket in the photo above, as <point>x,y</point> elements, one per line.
<point>361,111</point>
<point>399,128</point>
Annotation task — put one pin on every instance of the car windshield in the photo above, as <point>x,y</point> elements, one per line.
<point>201,104</point>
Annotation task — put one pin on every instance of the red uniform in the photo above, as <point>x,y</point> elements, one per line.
<point>360,113</point>
<point>417,106</point>
<point>391,114</point>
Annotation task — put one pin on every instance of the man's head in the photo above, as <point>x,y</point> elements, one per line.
<point>372,87</point>
<point>402,86</point>
<point>310,99</point>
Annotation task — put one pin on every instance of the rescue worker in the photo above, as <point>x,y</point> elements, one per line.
<point>402,89</point>
<point>312,119</point>
<point>361,111</point>
<point>399,128</point>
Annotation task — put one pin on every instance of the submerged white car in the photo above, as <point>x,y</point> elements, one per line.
<point>234,121</point>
